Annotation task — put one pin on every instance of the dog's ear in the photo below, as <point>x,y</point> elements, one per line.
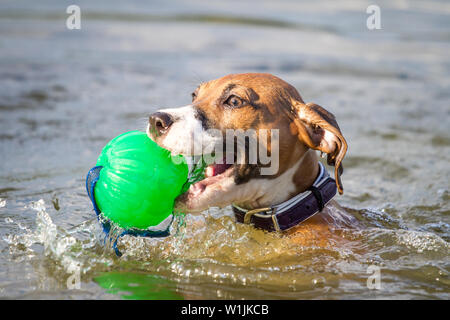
<point>318,129</point>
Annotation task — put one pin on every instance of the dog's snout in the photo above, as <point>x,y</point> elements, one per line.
<point>160,122</point>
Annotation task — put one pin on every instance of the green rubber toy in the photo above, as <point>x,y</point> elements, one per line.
<point>139,181</point>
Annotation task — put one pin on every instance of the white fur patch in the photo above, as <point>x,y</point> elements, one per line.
<point>186,135</point>
<point>265,192</point>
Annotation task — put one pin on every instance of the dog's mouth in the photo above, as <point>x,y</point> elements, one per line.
<point>214,174</point>
<point>211,182</point>
<point>214,184</point>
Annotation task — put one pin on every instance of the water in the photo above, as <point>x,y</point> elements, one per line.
<point>64,94</point>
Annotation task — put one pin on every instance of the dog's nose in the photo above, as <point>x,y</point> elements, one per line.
<point>160,122</point>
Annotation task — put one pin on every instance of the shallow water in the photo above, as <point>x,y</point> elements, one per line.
<point>64,94</point>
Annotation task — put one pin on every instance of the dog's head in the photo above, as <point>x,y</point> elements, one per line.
<point>262,136</point>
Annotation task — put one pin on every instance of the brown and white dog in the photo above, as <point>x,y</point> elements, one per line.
<point>255,101</point>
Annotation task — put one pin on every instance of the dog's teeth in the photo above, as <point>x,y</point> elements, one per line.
<point>209,172</point>
<point>196,189</point>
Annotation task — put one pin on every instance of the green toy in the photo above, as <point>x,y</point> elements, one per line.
<point>138,181</point>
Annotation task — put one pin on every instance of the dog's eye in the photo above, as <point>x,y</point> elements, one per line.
<point>234,101</point>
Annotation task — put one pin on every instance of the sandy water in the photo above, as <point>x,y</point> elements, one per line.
<point>64,94</point>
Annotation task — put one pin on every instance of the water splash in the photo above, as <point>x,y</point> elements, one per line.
<point>65,247</point>
<point>212,248</point>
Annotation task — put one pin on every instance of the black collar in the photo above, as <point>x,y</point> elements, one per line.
<point>294,211</point>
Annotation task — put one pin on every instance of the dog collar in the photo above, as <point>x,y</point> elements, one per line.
<point>294,211</point>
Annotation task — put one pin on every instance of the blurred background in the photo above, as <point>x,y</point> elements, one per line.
<point>65,93</point>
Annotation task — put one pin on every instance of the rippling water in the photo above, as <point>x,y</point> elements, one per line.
<point>64,94</point>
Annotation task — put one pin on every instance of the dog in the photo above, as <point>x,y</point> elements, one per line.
<point>259,101</point>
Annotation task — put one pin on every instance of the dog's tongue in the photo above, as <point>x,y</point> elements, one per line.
<point>216,169</point>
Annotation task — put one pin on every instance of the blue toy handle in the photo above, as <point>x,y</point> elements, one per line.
<point>91,179</point>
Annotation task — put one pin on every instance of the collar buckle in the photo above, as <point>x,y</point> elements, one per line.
<point>248,215</point>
